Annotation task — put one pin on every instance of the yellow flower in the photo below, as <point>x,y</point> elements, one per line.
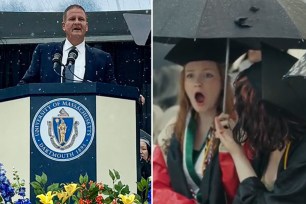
<point>63,196</point>
<point>70,189</point>
<point>46,199</point>
<point>127,199</point>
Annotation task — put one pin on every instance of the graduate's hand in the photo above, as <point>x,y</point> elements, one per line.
<point>224,126</point>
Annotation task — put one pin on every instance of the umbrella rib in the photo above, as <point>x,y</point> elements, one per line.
<point>226,74</point>
<point>202,13</point>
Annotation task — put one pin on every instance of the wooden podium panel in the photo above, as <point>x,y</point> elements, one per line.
<point>119,129</point>
<point>15,142</point>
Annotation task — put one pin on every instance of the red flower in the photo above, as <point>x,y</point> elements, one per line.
<point>100,186</point>
<point>99,199</point>
<point>81,201</point>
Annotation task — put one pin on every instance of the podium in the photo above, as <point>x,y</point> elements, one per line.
<point>65,130</point>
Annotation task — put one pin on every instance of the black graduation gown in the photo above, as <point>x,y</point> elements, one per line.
<point>145,168</point>
<point>290,184</point>
<point>211,186</point>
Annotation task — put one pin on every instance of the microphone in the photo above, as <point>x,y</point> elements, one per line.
<point>57,60</point>
<point>72,56</point>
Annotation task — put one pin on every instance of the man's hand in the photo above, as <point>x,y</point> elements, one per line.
<point>142,100</point>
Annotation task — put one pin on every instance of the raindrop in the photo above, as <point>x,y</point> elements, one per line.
<point>32,34</point>
<point>57,21</point>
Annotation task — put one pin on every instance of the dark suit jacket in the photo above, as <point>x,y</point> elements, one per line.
<point>98,68</point>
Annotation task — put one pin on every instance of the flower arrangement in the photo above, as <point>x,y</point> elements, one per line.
<point>90,192</point>
<point>8,190</point>
<point>84,192</point>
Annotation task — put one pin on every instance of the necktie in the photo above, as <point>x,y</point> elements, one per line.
<point>69,71</point>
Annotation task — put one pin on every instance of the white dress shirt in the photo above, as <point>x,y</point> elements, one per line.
<point>79,66</point>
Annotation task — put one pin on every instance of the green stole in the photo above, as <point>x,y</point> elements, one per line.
<point>192,166</point>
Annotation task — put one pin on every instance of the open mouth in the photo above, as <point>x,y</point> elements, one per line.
<point>199,97</point>
<point>77,29</point>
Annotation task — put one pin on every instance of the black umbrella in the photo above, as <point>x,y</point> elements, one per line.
<point>277,22</point>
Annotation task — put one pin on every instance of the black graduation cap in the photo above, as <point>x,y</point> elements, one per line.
<point>140,27</point>
<point>277,90</point>
<point>145,137</point>
<point>187,50</point>
<point>254,73</point>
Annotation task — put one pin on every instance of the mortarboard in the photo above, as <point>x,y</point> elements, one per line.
<point>145,137</point>
<point>277,90</point>
<point>285,93</point>
<point>253,73</point>
<point>187,50</point>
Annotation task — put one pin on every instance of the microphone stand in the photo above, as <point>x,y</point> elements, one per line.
<point>64,74</point>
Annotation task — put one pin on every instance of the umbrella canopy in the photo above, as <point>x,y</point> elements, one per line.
<point>270,21</point>
<point>187,50</point>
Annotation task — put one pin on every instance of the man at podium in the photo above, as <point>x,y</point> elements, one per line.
<point>71,60</point>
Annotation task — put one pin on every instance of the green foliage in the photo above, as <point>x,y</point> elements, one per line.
<point>143,187</point>
<point>117,188</point>
<point>88,191</point>
<point>39,185</point>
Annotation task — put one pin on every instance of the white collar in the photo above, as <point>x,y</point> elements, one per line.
<point>80,47</point>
